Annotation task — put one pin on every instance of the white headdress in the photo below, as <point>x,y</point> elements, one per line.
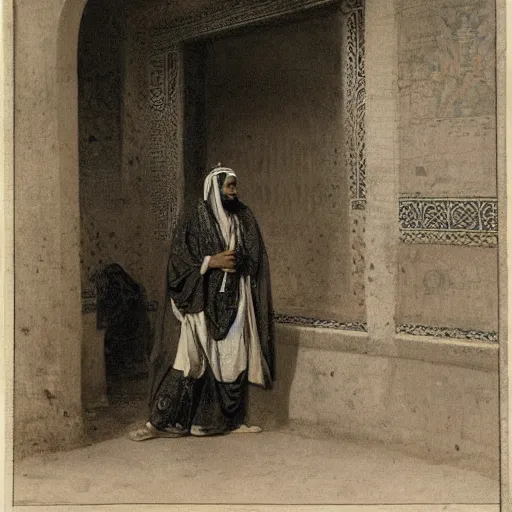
<point>212,195</point>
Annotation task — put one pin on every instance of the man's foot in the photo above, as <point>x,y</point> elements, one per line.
<point>198,431</point>
<point>148,431</point>
<point>244,429</point>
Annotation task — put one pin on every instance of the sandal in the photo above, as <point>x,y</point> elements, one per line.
<point>148,431</point>
<point>198,431</point>
<point>244,429</point>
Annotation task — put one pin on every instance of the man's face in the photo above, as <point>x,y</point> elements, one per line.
<point>229,196</point>
<point>229,188</point>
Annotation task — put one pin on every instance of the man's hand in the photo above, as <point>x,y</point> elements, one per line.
<point>224,260</point>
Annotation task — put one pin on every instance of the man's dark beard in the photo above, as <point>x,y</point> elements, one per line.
<point>231,205</point>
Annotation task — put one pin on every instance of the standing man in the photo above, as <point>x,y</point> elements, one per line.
<point>219,290</point>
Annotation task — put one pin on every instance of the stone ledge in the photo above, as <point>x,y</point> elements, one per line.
<point>446,351</point>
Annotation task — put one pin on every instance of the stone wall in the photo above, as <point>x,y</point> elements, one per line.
<point>47,391</point>
<point>448,207</point>
<point>112,219</point>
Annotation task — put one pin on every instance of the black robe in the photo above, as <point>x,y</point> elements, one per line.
<point>197,236</point>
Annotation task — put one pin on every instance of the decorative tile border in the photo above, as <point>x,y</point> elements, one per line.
<point>315,322</point>
<point>447,332</point>
<point>354,92</point>
<point>358,204</point>
<point>449,214</point>
<point>224,14</point>
<point>450,238</point>
<point>472,222</point>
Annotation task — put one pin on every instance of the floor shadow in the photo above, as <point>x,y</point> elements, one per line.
<point>270,408</point>
<point>128,399</point>
<point>127,409</point>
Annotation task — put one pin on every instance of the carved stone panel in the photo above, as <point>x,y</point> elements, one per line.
<point>164,143</point>
<point>472,222</point>
<point>354,90</point>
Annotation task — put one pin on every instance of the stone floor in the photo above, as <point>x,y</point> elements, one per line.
<point>283,466</point>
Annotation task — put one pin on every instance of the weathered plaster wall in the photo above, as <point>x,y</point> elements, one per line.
<point>503,67</point>
<point>102,194</point>
<point>47,411</point>
<point>382,164</point>
<point>438,286</point>
<point>112,215</point>
<point>112,219</point>
<point>431,399</point>
<point>447,146</point>
<point>447,98</point>
<point>150,253</point>
<point>274,112</point>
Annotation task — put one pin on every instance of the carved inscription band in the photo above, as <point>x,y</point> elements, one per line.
<point>164,146</point>
<point>225,14</point>
<point>447,332</point>
<point>315,322</point>
<point>471,222</point>
<point>354,92</point>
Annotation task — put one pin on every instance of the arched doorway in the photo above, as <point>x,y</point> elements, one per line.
<point>115,312</point>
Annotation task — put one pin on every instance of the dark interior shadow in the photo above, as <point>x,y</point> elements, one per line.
<point>127,409</point>
<point>122,312</point>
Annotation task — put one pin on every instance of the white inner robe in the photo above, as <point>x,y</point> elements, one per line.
<point>240,350</point>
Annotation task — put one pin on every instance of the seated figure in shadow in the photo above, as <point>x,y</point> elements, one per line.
<point>121,311</point>
<point>218,287</point>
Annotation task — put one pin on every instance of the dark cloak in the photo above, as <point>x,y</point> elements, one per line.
<point>197,236</point>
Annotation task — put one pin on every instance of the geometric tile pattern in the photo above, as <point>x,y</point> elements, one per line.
<point>472,222</point>
<point>448,332</point>
<point>319,323</point>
